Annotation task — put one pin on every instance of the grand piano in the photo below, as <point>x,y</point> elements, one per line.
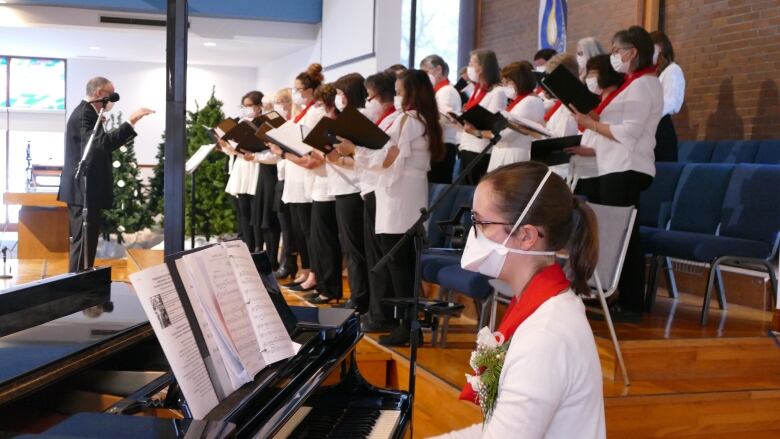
<point>78,358</point>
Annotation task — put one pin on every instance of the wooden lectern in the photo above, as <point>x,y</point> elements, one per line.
<point>43,225</point>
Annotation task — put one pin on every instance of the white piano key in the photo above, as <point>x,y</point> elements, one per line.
<point>385,425</point>
<point>293,423</point>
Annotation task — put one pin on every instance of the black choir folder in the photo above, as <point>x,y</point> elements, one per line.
<point>551,151</point>
<point>215,320</point>
<point>481,118</point>
<point>246,134</point>
<point>350,124</point>
<point>563,85</point>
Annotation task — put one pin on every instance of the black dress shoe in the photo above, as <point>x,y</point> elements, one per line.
<point>285,272</point>
<point>308,296</point>
<point>348,304</point>
<point>321,300</point>
<point>299,287</point>
<point>368,325</point>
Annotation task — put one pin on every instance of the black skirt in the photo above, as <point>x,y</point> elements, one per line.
<point>263,208</point>
<point>666,141</point>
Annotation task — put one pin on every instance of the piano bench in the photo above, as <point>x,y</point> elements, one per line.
<point>432,313</point>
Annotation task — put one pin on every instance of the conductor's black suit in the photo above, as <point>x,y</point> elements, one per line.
<point>99,176</point>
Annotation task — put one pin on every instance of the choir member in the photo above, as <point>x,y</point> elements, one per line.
<point>448,100</point>
<point>283,105</point>
<point>244,174</point>
<point>673,82</point>
<point>559,120</point>
<point>549,382</point>
<point>396,69</point>
<point>381,109</point>
<point>484,71</point>
<point>587,48</point>
<point>296,194</point>
<point>519,82</point>
<point>344,185</point>
<point>402,186</point>
<point>621,134</point>
<point>541,58</point>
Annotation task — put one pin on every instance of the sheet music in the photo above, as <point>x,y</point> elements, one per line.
<point>528,124</point>
<point>271,334</point>
<point>289,135</point>
<point>218,288</point>
<point>224,382</point>
<point>162,306</point>
<point>196,159</point>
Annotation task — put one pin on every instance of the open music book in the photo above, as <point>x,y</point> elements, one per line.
<point>567,88</point>
<point>527,124</point>
<point>214,319</point>
<point>289,137</point>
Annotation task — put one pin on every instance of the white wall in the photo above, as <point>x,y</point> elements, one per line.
<point>143,84</point>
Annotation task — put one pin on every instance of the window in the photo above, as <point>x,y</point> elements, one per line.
<point>436,32</point>
<point>37,84</point>
<point>3,81</point>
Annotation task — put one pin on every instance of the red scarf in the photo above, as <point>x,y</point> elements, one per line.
<point>441,84</point>
<point>552,110</point>
<point>517,101</point>
<point>629,79</point>
<point>546,284</point>
<point>390,110</point>
<point>303,112</point>
<point>476,98</point>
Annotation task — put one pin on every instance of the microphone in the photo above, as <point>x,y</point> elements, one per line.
<point>113,97</point>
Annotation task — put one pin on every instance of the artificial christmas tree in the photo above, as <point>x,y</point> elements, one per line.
<point>128,213</point>
<point>156,184</point>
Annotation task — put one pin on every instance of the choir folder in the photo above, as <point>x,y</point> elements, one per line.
<point>350,124</point>
<point>551,151</point>
<point>567,88</point>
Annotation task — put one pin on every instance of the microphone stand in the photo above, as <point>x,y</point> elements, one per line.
<point>81,172</point>
<point>417,233</point>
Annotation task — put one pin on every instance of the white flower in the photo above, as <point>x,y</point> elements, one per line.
<point>489,340</point>
<point>121,228</point>
<point>475,381</point>
<point>473,360</point>
<point>116,164</point>
<point>120,183</point>
<point>123,148</point>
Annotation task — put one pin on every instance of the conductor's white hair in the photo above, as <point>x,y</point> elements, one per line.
<point>94,84</point>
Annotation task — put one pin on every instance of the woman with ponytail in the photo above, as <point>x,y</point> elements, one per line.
<point>549,382</point>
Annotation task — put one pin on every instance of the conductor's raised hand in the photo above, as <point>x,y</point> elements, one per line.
<point>139,114</point>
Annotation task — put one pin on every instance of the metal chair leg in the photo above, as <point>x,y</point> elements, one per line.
<point>708,294</point>
<point>612,333</point>
<point>670,279</point>
<point>721,288</point>
<point>446,326</point>
<point>652,286</point>
<point>493,310</point>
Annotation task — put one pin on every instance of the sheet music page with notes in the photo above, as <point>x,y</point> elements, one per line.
<point>162,306</point>
<point>271,334</point>
<point>218,288</point>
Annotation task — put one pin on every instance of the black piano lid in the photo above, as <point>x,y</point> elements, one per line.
<point>56,341</point>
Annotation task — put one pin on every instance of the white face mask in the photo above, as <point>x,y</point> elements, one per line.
<point>593,85</point>
<point>432,78</point>
<point>341,102</point>
<point>298,99</point>
<point>373,109</point>
<point>582,61</point>
<point>247,112</point>
<point>656,52</point>
<point>471,72</point>
<point>510,92</point>
<point>487,257</point>
<point>618,64</point>
<point>398,102</point>
<point>279,108</point>
<point>540,69</point>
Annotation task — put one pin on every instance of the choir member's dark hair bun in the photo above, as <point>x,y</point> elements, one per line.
<point>521,73</point>
<point>256,97</point>
<point>312,77</point>
<point>637,37</point>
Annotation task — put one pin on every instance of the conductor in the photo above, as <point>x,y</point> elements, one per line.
<point>99,171</point>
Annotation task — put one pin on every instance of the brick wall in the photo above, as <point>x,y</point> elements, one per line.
<point>728,49</point>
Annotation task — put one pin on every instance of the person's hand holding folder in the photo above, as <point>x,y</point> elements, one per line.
<point>345,146</point>
<point>584,151</point>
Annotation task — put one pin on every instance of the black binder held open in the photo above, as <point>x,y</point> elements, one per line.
<point>350,124</point>
<point>483,119</point>
<point>562,84</point>
<point>551,151</point>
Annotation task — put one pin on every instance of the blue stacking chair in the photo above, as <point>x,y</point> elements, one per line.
<point>768,152</point>
<point>440,252</point>
<point>695,151</point>
<point>734,151</point>
<point>696,207</point>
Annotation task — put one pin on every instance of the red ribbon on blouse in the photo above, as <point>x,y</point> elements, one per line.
<point>303,112</point>
<point>517,101</point>
<point>546,284</point>
<point>552,110</point>
<point>441,84</point>
<point>390,110</point>
<point>631,77</point>
<point>476,98</point>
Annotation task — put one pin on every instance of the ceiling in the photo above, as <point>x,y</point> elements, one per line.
<point>296,11</point>
<point>77,33</point>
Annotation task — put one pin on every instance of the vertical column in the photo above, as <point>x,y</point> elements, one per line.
<point>468,30</point>
<point>175,129</point>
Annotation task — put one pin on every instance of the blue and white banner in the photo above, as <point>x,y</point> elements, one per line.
<point>552,25</point>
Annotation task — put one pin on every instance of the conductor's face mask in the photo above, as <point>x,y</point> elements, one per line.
<point>488,257</point>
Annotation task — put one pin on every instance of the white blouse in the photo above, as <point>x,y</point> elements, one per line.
<point>551,382</point>
<point>494,101</point>
<point>563,124</point>
<point>367,175</point>
<point>633,118</point>
<point>673,83</point>
<point>448,100</point>
<point>402,188</point>
<point>243,176</point>
<point>516,147</point>
<point>297,185</point>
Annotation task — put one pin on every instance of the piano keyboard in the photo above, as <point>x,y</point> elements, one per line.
<point>330,422</point>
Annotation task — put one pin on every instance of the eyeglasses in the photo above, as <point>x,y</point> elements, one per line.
<point>480,224</point>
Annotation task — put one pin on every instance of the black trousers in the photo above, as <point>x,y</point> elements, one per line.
<point>324,248</point>
<point>300,214</point>
<point>441,171</point>
<point>479,171</point>
<point>401,266</point>
<point>590,188</point>
<point>289,250</point>
<point>623,189</point>
<point>349,216</point>
<point>666,141</point>
<point>76,257</point>
<point>379,284</point>
<point>245,230</point>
